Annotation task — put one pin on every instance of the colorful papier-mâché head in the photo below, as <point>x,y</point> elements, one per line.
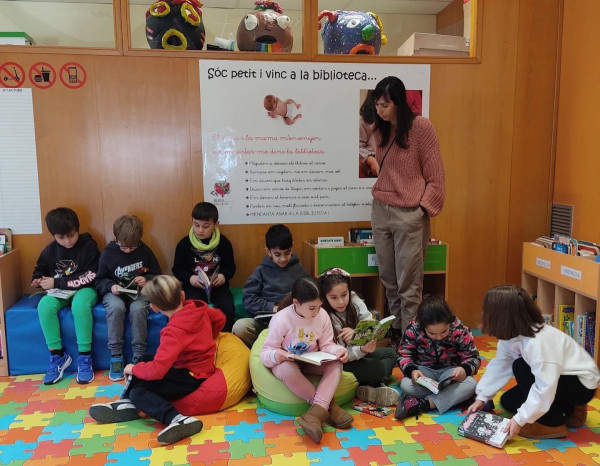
<point>175,25</point>
<point>352,32</point>
<point>265,29</point>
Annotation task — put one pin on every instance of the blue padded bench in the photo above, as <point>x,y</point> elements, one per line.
<point>27,350</point>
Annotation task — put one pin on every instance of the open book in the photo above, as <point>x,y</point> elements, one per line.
<point>61,294</point>
<point>264,317</point>
<point>368,330</point>
<point>133,293</point>
<point>485,427</point>
<point>207,281</point>
<point>314,357</point>
<point>434,385</point>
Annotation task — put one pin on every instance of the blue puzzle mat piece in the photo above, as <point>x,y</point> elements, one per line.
<point>58,433</point>
<point>244,432</point>
<point>363,438</point>
<point>7,420</point>
<point>18,451</point>
<point>327,456</point>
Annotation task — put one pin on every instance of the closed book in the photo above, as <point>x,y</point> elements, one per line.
<point>485,427</point>
<point>372,409</point>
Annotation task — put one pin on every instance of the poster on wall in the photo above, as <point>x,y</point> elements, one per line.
<point>281,140</point>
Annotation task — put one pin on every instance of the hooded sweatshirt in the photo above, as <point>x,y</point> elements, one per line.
<point>72,268</point>
<point>119,268</point>
<point>188,341</point>
<point>269,284</point>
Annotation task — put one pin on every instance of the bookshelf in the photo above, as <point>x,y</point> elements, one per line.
<point>557,278</point>
<point>10,292</point>
<point>357,260</point>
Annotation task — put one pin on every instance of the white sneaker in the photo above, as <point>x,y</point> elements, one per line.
<point>117,411</point>
<point>382,396</point>
<point>181,427</point>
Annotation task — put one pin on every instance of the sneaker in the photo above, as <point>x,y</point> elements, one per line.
<point>408,406</point>
<point>382,396</point>
<point>85,373</point>
<point>57,368</point>
<point>181,427</point>
<point>116,368</point>
<point>117,411</point>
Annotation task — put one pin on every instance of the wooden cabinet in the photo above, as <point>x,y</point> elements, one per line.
<point>361,262</point>
<point>10,292</point>
<point>556,278</point>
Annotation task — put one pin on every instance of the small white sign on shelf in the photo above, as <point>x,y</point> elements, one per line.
<point>542,263</point>
<point>372,260</point>
<point>569,272</point>
<point>330,241</point>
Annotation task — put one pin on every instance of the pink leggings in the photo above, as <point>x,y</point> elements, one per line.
<point>292,375</point>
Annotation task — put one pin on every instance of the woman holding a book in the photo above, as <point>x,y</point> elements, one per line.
<point>555,376</point>
<point>372,366</point>
<point>438,359</point>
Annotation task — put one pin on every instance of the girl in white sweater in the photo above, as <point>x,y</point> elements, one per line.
<point>555,376</point>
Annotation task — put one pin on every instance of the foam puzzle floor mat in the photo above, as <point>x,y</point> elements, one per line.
<point>50,425</point>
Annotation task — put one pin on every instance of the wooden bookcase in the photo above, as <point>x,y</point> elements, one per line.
<point>357,260</point>
<point>557,278</point>
<point>10,292</point>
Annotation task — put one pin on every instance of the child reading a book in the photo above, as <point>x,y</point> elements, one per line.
<point>125,266</point>
<point>436,345</point>
<point>270,282</point>
<point>372,366</point>
<point>70,262</point>
<point>302,326</point>
<point>205,247</point>
<point>183,361</point>
<point>555,376</point>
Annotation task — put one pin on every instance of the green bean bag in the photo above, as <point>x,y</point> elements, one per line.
<point>275,396</point>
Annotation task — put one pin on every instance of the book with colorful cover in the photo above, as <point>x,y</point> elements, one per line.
<point>360,235</point>
<point>566,313</point>
<point>485,427</point>
<point>372,409</point>
<point>368,330</point>
<point>590,332</point>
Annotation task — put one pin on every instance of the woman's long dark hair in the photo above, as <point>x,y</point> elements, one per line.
<point>328,279</point>
<point>392,90</point>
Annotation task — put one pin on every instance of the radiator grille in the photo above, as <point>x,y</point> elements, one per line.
<point>561,221</point>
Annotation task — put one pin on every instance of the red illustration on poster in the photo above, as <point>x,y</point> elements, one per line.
<point>72,75</point>
<point>42,75</point>
<point>12,75</point>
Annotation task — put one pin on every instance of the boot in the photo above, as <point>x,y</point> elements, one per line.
<point>338,417</point>
<point>537,430</point>
<point>311,422</point>
<point>578,417</point>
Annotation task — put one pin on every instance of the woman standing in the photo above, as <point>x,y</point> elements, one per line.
<point>408,191</point>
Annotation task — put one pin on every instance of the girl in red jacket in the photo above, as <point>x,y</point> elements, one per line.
<point>183,360</point>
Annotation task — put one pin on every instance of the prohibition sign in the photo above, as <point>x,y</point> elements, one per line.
<point>72,75</point>
<point>12,75</point>
<point>42,75</point>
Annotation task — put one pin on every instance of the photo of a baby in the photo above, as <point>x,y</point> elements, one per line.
<point>288,110</point>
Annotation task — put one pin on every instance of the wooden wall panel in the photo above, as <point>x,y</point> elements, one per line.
<point>130,140</point>
<point>576,174</point>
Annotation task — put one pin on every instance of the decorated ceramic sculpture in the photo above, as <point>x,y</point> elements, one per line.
<point>175,24</point>
<point>351,32</point>
<point>265,29</point>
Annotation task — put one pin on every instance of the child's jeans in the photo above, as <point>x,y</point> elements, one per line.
<point>115,319</point>
<point>153,396</point>
<point>292,375</point>
<point>81,307</point>
<point>449,396</point>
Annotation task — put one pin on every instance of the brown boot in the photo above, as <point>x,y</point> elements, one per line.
<point>311,421</point>
<point>578,417</point>
<point>338,417</point>
<point>537,430</point>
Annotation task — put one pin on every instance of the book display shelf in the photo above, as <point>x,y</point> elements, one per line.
<point>557,279</point>
<point>361,263</point>
<point>10,292</point>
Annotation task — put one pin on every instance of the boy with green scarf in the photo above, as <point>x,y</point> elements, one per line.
<point>206,250</point>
